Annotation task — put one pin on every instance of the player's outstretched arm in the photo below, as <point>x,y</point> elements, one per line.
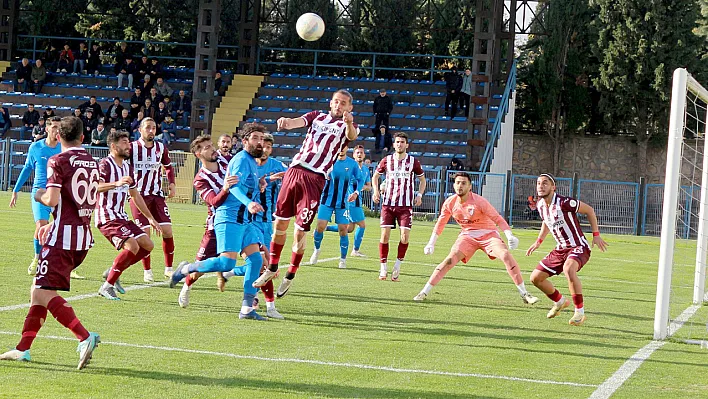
<point>48,196</point>
<point>291,123</point>
<point>592,218</point>
<point>143,208</point>
<point>541,236</point>
<point>430,248</point>
<point>352,131</point>
<point>445,214</point>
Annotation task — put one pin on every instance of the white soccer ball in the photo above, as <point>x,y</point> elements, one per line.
<point>310,27</point>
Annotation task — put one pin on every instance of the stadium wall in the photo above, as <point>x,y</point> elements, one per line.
<point>595,157</point>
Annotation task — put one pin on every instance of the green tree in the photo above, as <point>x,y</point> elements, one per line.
<point>554,71</point>
<point>640,44</point>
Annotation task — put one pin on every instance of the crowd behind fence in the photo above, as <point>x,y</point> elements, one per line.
<point>621,207</point>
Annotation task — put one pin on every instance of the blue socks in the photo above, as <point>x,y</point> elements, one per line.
<point>343,246</point>
<point>318,239</point>
<point>217,264</point>
<point>253,270</point>
<point>37,247</point>
<point>332,227</point>
<point>358,237</point>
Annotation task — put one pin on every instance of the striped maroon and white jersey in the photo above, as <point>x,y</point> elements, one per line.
<point>400,175</point>
<point>147,166</point>
<point>75,173</point>
<point>225,158</point>
<point>326,137</point>
<point>209,184</point>
<point>111,204</point>
<point>562,220</point>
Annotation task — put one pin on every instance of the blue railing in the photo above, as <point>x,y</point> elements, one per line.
<point>271,59</point>
<point>496,128</point>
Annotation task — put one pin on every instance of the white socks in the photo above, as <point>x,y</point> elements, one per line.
<point>580,310</point>
<point>522,288</point>
<point>427,289</point>
<point>397,265</point>
<point>560,301</point>
<point>270,305</point>
<point>228,275</point>
<point>246,309</point>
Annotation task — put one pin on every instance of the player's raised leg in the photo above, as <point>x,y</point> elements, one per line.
<point>452,259</point>
<point>539,278</point>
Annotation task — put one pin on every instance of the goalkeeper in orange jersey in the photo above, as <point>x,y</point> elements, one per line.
<point>479,221</point>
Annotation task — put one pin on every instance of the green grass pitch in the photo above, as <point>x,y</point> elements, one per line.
<point>347,334</point>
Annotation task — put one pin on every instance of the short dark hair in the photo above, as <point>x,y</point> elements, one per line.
<point>225,135</point>
<point>269,138</point>
<point>549,177</point>
<point>115,137</point>
<point>249,128</point>
<point>197,143</point>
<point>94,97</point>
<point>144,122</point>
<point>462,174</point>
<point>71,129</point>
<point>401,135</point>
<point>55,119</point>
<point>356,147</point>
<point>30,105</point>
<point>346,93</point>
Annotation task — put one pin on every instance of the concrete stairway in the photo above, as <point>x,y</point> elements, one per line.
<point>234,104</point>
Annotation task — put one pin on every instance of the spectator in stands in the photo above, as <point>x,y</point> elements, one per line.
<point>99,135</point>
<point>94,105</point>
<point>169,105</point>
<point>367,162</point>
<point>136,102</point>
<point>217,84</point>
<point>383,139</point>
<point>77,113</point>
<point>168,130</point>
<point>23,76</point>
<point>135,125</point>
<point>80,58</point>
<point>94,60</point>
<point>155,96</point>
<point>466,92</point>
<point>161,113</point>
<point>127,70</point>
<point>149,110</point>
<point>182,108</point>
<point>123,121</point>
<point>90,123</point>
<point>51,58</point>
<point>48,113</point>
<point>30,119</point>
<point>155,69</point>
<point>66,59</point>
<point>453,84</point>
<point>39,75</point>
<point>5,122</point>
<point>143,66</point>
<point>114,111</point>
<point>147,85</point>
<point>456,164</point>
<point>122,55</point>
<point>163,88</point>
<point>531,212</point>
<point>382,109</point>
<point>40,131</point>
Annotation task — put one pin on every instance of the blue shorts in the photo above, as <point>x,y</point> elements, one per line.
<point>266,232</point>
<point>356,214</point>
<point>325,213</point>
<point>39,210</point>
<point>233,237</point>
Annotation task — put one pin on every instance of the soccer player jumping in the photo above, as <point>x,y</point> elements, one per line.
<point>72,182</point>
<point>572,251</point>
<point>304,181</point>
<point>479,221</point>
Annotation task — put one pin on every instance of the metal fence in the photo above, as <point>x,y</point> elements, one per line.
<point>621,207</point>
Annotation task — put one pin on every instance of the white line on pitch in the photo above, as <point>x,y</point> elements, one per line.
<point>612,384</point>
<point>87,296</point>
<point>323,363</point>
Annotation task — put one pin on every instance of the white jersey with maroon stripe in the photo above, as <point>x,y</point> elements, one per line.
<point>75,173</point>
<point>562,220</point>
<point>326,137</point>
<point>147,166</point>
<point>111,204</point>
<point>400,175</point>
<point>206,182</point>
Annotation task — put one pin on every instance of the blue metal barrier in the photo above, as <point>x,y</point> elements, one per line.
<point>688,206</point>
<point>616,204</point>
<point>496,128</point>
<point>495,184</point>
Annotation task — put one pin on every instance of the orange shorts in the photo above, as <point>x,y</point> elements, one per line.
<point>491,244</point>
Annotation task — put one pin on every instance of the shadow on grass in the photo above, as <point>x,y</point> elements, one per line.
<point>292,387</point>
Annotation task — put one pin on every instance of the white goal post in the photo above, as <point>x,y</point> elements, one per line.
<point>681,119</point>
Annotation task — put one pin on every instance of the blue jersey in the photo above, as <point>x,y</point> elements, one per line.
<point>37,157</point>
<point>358,185</point>
<point>268,197</point>
<point>235,207</point>
<point>344,172</point>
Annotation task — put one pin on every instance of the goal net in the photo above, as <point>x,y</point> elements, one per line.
<point>681,288</point>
